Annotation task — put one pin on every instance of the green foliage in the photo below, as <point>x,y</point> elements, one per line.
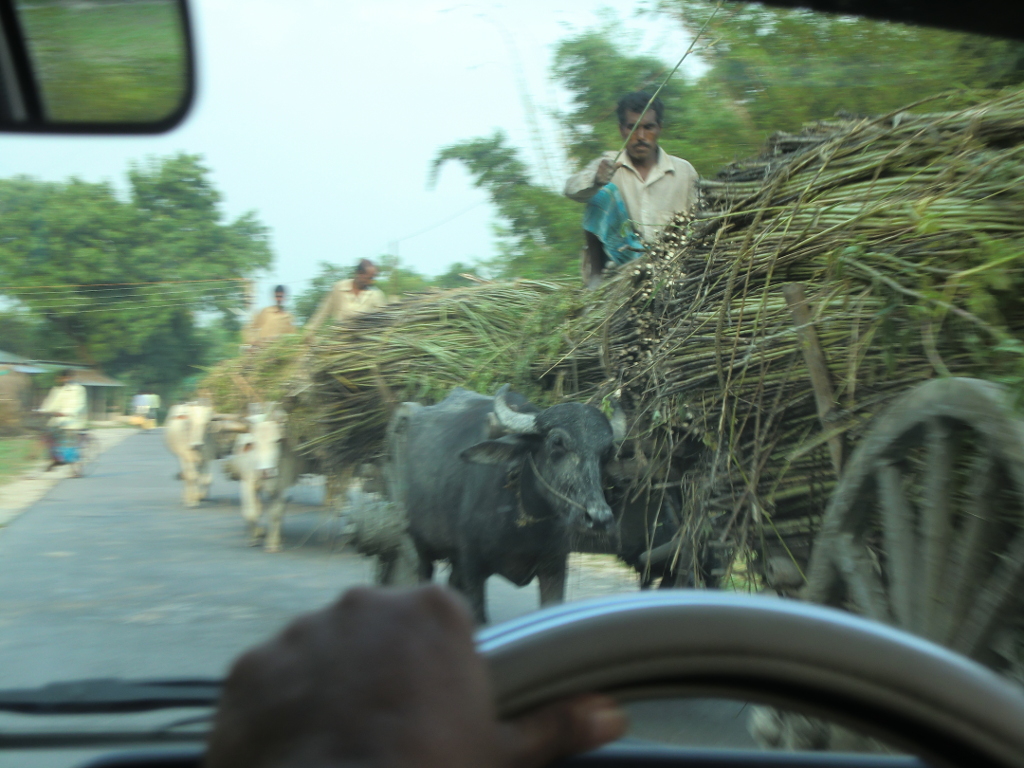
<point>779,68</point>
<point>107,61</point>
<point>395,280</point>
<point>540,233</point>
<point>120,282</point>
<point>26,334</point>
<point>453,277</point>
<point>597,70</point>
<point>18,454</point>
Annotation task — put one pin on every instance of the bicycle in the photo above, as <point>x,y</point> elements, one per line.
<point>78,449</point>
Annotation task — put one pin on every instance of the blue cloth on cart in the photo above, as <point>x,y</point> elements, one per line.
<point>608,220</point>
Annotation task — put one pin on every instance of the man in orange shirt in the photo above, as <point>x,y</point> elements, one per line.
<point>271,322</point>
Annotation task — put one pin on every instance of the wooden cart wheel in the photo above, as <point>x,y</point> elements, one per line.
<point>925,529</point>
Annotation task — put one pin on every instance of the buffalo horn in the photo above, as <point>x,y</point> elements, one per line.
<point>494,428</point>
<point>515,422</point>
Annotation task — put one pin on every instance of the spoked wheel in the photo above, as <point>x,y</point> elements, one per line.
<point>925,530</point>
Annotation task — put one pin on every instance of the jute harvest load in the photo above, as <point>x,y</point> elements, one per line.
<point>903,233</point>
<point>340,388</point>
<point>479,338</point>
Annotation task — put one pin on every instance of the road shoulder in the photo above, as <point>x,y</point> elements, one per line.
<point>17,495</point>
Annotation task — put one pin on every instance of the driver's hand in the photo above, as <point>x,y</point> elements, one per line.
<point>389,678</point>
<point>605,170</point>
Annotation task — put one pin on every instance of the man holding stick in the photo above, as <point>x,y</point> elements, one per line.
<point>632,194</point>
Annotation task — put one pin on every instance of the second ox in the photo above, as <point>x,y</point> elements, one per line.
<point>266,459</point>
<point>508,506</point>
<point>197,437</point>
<point>254,464</point>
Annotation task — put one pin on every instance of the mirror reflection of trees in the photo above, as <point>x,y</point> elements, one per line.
<point>106,60</point>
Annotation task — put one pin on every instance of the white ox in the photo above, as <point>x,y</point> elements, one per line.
<point>185,435</point>
<point>266,460</point>
<point>254,464</point>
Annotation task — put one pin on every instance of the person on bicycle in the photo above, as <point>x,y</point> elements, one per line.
<point>66,405</point>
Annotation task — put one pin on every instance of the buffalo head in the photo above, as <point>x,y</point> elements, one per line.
<point>562,449</point>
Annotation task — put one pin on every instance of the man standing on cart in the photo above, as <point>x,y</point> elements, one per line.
<point>349,298</point>
<point>66,405</point>
<point>630,196</point>
<point>270,322</point>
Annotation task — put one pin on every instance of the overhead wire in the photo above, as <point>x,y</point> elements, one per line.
<point>139,306</point>
<point>126,301</point>
<point>101,296</point>
<point>437,224</point>
<point>100,286</point>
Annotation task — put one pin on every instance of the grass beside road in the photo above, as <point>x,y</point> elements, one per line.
<point>18,454</point>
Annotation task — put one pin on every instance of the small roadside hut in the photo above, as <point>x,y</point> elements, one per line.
<point>104,393</point>
<point>20,388</point>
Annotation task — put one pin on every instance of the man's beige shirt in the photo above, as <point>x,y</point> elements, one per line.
<point>69,399</point>
<point>341,303</point>
<point>670,187</point>
<point>268,324</point>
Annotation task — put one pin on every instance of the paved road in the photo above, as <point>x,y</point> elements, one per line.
<point>109,575</point>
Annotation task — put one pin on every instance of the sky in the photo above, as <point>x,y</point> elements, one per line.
<point>324,116</point>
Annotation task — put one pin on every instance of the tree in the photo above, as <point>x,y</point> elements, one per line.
<point>780,68</point>
<point>540,233</point>
<point>125,280</point>
<point>25,334</point>
<point>453,277</point>
<point>396,280</point>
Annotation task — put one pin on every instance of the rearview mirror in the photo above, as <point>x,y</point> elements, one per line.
<point>101,66</point>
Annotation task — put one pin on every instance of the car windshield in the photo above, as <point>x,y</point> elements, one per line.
<point>757,308</point>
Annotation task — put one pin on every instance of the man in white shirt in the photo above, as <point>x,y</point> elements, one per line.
<point>645,187</point>
<point>66,405</point>
<point>350,297</point>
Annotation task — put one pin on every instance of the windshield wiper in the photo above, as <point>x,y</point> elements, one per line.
<point>110,695</point>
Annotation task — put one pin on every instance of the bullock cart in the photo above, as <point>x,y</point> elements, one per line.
<point>820,365</point>
<point>823,364</point>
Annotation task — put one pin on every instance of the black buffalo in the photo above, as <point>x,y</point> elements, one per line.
<point>506,506</point>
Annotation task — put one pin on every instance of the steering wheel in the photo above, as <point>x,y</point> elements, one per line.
<point>823,662</point>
